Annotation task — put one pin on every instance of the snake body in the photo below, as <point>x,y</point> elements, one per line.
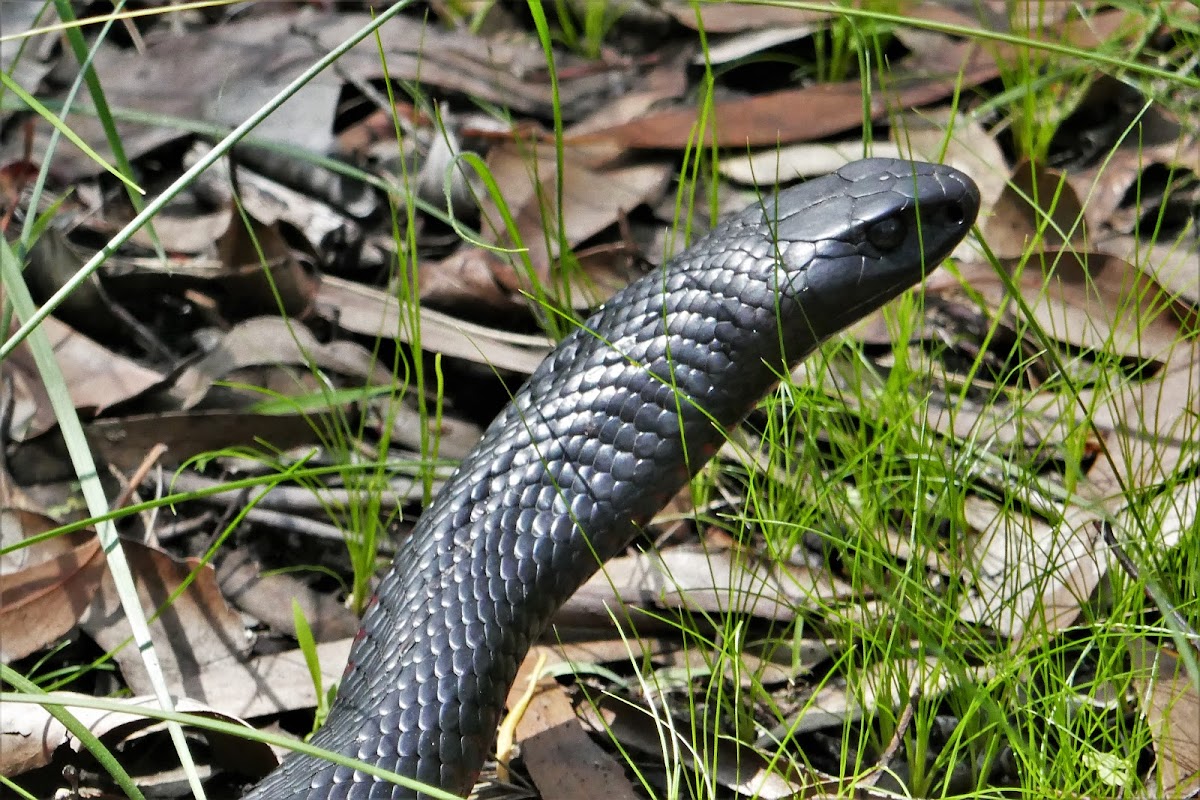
<point>607,429</point>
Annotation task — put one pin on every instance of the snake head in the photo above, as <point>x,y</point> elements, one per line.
<point>848,242</point>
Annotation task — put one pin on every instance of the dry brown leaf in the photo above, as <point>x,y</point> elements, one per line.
<point>194,627</point>
<point>18,524</point>
<point>262,274</point>
<point>194,637</point>
<point>471,277</point>
<point>888,684</point>
<point>40,604</point>
<point>313,205</point>
<point>1026,573</point>
<point>271,342</point>
<point>270,599</point>
<point>708,580</point>
<point>1027,568</point>
<point>189,234</point>
<point>29,736</point>
<point>193,74</point>
<point>125,441</point>
<point>1104,303</point>
<point>97,378</point>
<point>507,71</point>
<point>930,74</point>
<point>737,17</point>
<point>748,44</point>
<point>1092,31</point>
<point>1004,427</point>
<point>1036,205</point>
<point>1152,135</point>
<point>750,670</point>
<point>1150,426</point>
<point>563,761</point>
<point>1171,515</point>
<point>987,16</point>
<point>1092,301</point>
<point>734,765</point>
<point>279,354</point>
<point>770,119</point>
<point>1171,706</point>
<point>317,502</point>
<point>1083,561</point>
<point>592,201</point>
<point>1171,264</point>
<point>373,312</point>
<point>270,684</point>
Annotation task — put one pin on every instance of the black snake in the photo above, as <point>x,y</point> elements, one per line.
<point>609,427</point>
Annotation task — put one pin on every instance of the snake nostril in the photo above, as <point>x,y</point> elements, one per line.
<point>952,215</point>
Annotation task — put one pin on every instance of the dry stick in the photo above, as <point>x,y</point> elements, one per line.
<point>152,457</point>
<point>889,752</point>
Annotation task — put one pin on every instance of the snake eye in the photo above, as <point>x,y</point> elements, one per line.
<point>887,234</point>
